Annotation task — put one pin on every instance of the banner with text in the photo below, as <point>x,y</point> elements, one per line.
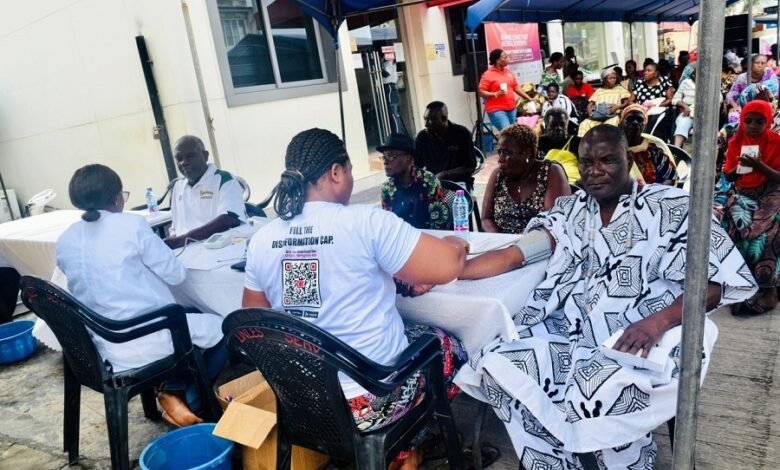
<point>520,41</point>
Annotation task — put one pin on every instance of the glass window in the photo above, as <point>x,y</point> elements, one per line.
<point>638,37</point>
<point>291,53</point>
<point>589,43</point>
<point>295,41</point>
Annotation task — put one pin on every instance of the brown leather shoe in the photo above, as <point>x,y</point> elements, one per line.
<point>175,410</point>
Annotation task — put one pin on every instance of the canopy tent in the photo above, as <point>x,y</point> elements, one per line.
<point>534,11</point>
<point>331,13</point>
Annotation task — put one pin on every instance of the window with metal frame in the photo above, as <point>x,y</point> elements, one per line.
<point>270,46</point>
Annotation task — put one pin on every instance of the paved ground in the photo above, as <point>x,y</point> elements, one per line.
<point>739,412</point>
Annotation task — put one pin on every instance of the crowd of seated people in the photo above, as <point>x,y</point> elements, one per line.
<point>607,155</point>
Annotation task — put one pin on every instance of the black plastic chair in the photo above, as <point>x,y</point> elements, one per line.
<point>680,156</point>
<point>301,363</point>
<point>450,188</point>
<point>69,320</point>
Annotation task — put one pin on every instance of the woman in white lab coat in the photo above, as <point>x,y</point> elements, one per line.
<point>119,268</point>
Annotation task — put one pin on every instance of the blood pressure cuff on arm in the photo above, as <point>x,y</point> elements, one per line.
<point>535,246</point>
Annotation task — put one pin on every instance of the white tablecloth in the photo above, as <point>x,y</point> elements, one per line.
<point>476,311</point>
<point>28,245</point>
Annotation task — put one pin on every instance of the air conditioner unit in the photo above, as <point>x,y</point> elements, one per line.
<point>5,215</point>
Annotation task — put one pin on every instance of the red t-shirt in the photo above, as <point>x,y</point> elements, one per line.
<point>584,91</point>
<point>491,82</point>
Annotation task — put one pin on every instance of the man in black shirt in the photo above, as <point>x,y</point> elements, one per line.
<point>445,148</point>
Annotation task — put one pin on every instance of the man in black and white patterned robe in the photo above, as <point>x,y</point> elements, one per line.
<point>617,263</point>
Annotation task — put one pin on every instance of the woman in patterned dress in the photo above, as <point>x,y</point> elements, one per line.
<point>550,74</point>
<point>655,93</point>
<point>611,98</point>
<point>751,214</point>
<point>522,186</point>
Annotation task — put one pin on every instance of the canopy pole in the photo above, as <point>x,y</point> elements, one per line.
<point>631,38</point>
<point>478,136</point>
<point>711,27</point>
<point>777,31</point>
<point>750,32</point>
<point>334,21</point>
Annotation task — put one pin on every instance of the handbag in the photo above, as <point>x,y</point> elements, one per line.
<point>567,160</point>
<point>601,112</point>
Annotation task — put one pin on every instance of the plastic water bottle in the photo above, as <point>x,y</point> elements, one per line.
<point>460,214</point>
<point>151,201</point>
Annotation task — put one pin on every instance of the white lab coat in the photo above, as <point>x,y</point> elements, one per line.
<point>119,268</point>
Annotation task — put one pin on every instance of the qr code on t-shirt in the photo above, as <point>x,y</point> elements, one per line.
<point>301,281</point>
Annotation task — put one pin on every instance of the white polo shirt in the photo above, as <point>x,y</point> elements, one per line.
<point>216,193</point>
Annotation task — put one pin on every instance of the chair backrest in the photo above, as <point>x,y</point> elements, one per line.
<point>450,188</point>
<point>480,157</point>
<point>65,315</point>
<point>301,363</point>
<point>244,186</point>
<point>684,165</point>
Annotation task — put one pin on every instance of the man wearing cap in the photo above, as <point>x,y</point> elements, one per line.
<point>411,193</point>
<point>444,148</point>
<point>207,200</point>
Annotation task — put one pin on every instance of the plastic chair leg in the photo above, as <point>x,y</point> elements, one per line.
<point>210,405</point>
<point>477,217</point>
<point>72,415</point>
<point>149,403</point>
<point>283,450</point>
<point>116,422</point>
<point>476,445</point>
<point>370,454</point>
<point>449,432</point>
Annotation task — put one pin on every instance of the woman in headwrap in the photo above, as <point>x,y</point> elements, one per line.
<point>605,105</point>
<point>650,154</point>
<point>751,83</point>
<point>751,214</point>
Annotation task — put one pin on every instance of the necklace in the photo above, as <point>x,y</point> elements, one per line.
<point>591,223</point>
<point>522,179</point>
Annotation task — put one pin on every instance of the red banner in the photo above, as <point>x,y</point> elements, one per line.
<point>521,44</point>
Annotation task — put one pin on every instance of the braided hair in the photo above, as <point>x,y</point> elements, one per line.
<point>309,155</point>
<point>94,187</point>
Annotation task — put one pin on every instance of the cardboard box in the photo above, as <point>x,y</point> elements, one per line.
<point>250,420</point>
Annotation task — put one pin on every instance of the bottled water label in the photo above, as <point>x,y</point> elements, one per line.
<point>460,215</point>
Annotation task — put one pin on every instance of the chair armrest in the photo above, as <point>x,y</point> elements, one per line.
<point>170,317</point>
<point>419,355</point>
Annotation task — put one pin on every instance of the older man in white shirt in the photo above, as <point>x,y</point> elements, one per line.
<point>207,200</point>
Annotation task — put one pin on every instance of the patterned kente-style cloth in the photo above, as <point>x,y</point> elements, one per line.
<point>371,412</point>
<point>511,216</point>
<point>422,204</point>
<point>752,220</point>
<point>653,161</point>
<point>554,388</point>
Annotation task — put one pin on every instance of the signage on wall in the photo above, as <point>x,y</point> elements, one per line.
<point>520,41</point>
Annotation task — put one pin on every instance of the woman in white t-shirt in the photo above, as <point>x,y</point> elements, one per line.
<point>333,264</point>
<point>119,268</point>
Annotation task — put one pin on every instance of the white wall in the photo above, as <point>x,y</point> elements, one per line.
<point>72,92</point>
<point>433,78</point>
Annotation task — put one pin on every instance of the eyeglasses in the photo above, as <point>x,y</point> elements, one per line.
<point>125,195</point>
<point>392,156</point>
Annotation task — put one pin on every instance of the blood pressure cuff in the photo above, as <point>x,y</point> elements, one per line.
<point>535,245</point>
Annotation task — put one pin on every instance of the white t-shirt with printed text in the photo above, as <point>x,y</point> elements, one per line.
<point>333,265</point>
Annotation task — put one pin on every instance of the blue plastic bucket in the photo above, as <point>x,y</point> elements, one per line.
<point>190,448</point>
<point>16,341</point>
